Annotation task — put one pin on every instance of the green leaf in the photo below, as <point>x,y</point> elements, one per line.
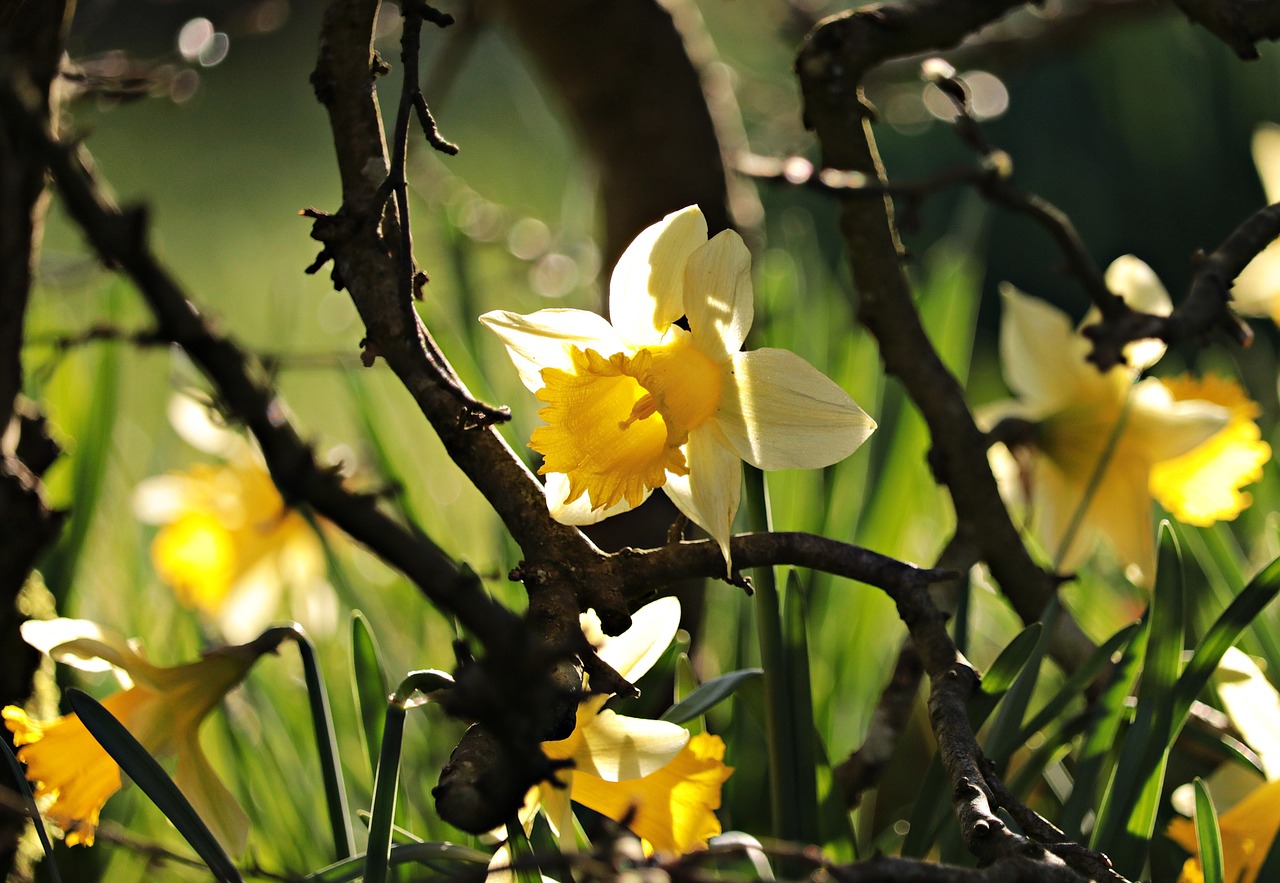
<point>710,694</point>
<point>524,861</point>
<point>368,685</point>
<point>803,756</point>
<point>1002,739</point>
<point>423,853</point>
<point>23,787</point>
<point>151,778</point>
<point>1208,837</point>
<point>1127,817</point>
<point>382,815</point>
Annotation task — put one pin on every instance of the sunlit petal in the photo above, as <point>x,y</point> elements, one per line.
<point>779,412</point>
<point>209,797</point>
<point>673,808</point>
<point>1253,706</point>
<point>543,339</point>
<point>80,643</point>
<point>1142,290</point>
<point>1041,355</point>
<point>161,498</point>
<point>615,747</point>
<point>578,511</point>
<point>653,628</point>
<point>718,297</point>
<point>195,421</point>
<point>1161,427</point>
<point>709,494</point>
<point>1266,156</point>
<point>646,291</point>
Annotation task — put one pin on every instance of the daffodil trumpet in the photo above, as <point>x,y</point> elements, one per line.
<point>661,396</point>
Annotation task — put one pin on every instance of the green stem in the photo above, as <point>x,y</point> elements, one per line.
<point>335,791</point>
<point>378,852</point>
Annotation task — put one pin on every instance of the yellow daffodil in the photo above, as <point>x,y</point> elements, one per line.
<point>161,707</point>
<point>228,545</point>
<point>1250,822</point>
<point>644,403</point>
<point>1204,485</point>
<point>1257,290</point>
<point>647,772</point>
<point>1097,436</point>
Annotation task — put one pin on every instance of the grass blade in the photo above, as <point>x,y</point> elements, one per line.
<point>386,781</point>
<point>146,771</point>
<point>709,695</point>
<point>1208,837</point>
<point>369,685</point>
<point>423,853</point>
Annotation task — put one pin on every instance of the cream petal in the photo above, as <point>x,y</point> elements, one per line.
<point>1161,428</point>
<point>209,797</point>
<point>1253,706</point>
<point>1055,499</point>
<point>557,810</point>
<point>646,291</point>
<point>579,512</point>
<point>1042,357</point>
<point>653,628</point>
<point>615,747</point>
<point>1255,289</point>
<point>1137,283</point>
<point>718,298</point>
<point>80,643</point>
<point>779,412</point>
<point>500,865</point>
<point>542,339</point>
<point>161,498</point>
<point>709,495</point>
<point>1266,156</point>
<point>197,424</point>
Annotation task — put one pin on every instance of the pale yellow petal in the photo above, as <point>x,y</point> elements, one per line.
<point>615,747</point>
<point>209,797</point>
<point>161,498</point>
<point>1041,355</point>
<point>578,511</point>
<point>653,628</point>
<point>1253,706</point>
<point>199,425</point>
<point>544,339</point>
<point>709,494</point>
<point>779,412</point>
<point>1137,283</point>
<point>80,643</point>
<point>718,298</point>
<point>1160,427</point>
<point>673,809</point>
<point>1266,156</point>
<point>646,291</point>
<point>1256,291</point>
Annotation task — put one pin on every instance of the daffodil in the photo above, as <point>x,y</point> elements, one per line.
<point>1257,290</point>
<point>651,774</point>
<point>161,707</point>
<point>1204,485</point>
<point>1250,822</point>
<point>1096,435</point>
<point>649,401</point>
<point>229,545</point>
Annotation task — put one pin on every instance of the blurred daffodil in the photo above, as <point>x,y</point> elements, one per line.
<point>1252,817</point>
<point>665,785</point>
<point>161,707</point>
<point>229,545</point>
<point>643,403</point>
<point>1256,291</point>
<point>1097,436</point>
<point>1204,485</point>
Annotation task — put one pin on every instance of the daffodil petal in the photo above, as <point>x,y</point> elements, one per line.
<point>1253,706</point>
<point>1266,156</point>
<point>718,297</point>
<point>194,421</point>
<point>653,628</point>
<point>1247,829</point>
<point>556,808</point>
<point>1137,283</point>
<point>543,339</point>
<point>673,808</point>
<point>161,498</point>
<point>646,291</point>
<point>80,643</point>
<point>579,511</point>
<point>709,495</point>
<point>779,412</point>
<point>210,798</point>
<point>1043,358</point>
<point>1255,290</point>
<point>1162,427</point>
<point>500,866</point>
<point>615,747</point>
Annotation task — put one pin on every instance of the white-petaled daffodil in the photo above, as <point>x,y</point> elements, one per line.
<point>1098,435</point>
<point>161,707</point>
<point>649,773</point>
<point>641,403</point>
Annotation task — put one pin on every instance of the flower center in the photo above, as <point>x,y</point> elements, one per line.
<point>615,425</point>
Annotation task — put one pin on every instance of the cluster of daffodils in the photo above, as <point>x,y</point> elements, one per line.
<point>228,545</point>
<point>162,707</point>
<point>1106,444</point>
<point>649,401</point>
<point>652,774</point>
<point>1252,808</point>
